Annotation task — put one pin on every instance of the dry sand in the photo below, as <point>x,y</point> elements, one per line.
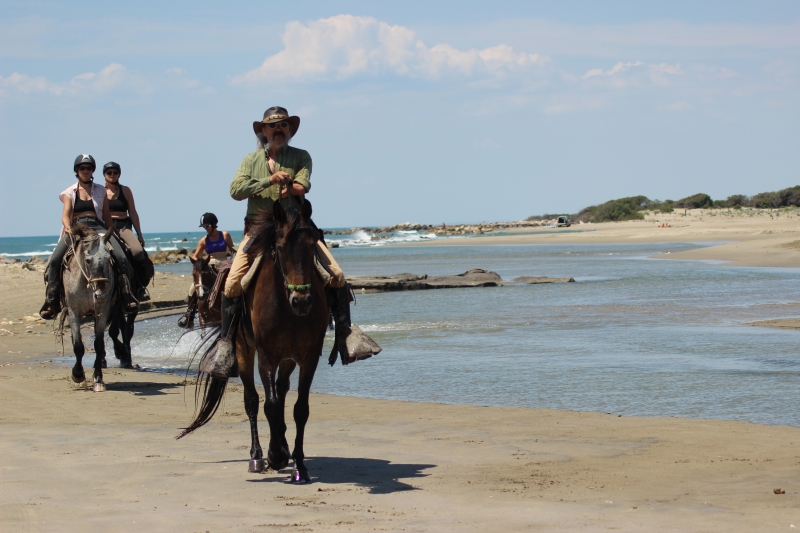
<point>75,460</point>
<point>748,237</point>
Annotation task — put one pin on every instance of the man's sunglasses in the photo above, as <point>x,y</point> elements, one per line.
<point>85,168</point>
<point>112,172</point>
<point>274,125</point>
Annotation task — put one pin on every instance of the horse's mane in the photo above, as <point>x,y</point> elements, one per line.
<point>82,231</point>
<point>263,229</point>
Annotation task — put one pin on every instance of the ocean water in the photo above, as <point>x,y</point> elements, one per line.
<point>633,336</point>
<point>24,248</point>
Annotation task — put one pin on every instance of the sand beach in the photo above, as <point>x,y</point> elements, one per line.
<point>73,459</point>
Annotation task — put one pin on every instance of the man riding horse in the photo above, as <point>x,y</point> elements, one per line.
<point>277,172</point>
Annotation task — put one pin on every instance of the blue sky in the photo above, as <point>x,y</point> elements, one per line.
<point>422,112</point>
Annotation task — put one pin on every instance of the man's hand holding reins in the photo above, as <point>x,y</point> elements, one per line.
<point>280,177</point>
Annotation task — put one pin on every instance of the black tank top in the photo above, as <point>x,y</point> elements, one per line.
<point>120,203</point>
<point>82,205</point>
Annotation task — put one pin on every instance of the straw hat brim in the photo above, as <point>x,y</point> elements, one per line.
<point>294,124</point>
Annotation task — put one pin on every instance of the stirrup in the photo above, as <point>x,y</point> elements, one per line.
<point>358,346</point>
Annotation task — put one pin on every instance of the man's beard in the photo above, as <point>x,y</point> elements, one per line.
<point>263,144</point>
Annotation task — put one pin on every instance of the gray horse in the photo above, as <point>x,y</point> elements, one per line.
<point>89,290</point>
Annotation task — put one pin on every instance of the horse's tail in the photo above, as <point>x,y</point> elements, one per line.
<point>212,390</point>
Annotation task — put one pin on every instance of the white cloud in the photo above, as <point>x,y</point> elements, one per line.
<point>112,78</point>
<point>632,73</point>
<point>345,45</point>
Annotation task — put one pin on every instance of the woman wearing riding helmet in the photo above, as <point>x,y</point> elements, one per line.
<point>84,202</point>
<point>125,217</point>
<point>216,244</point>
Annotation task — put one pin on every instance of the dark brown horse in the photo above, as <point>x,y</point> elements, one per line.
<point>204,276</point>
<point>288,310</point>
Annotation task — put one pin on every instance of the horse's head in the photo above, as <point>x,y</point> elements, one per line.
<point>201,273</point>
<point>295,244</point>
<point>94,260</point>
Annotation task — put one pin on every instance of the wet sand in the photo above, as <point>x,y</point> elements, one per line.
<point>73,459</point>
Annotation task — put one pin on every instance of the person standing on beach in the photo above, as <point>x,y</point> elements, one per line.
<point>125,218</point>
<point>84,202</point>
<point>277,172</point>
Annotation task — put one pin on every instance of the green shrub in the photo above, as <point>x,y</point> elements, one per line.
<point>615,210</point>
<point>695,201</point>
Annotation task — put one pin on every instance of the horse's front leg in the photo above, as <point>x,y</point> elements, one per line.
<point>245,357</point>
<point>100,353</point>
<point>285,369</point>
<point>277,457</point>
<point>78,375</point>
<point>301,412</point>
<point>126,327</point>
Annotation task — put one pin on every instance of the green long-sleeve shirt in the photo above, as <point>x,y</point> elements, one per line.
<point>251,181</point>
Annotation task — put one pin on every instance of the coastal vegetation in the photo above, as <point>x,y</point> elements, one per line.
<point>634,207</point>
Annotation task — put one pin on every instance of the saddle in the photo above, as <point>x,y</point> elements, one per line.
<point>215,294</point>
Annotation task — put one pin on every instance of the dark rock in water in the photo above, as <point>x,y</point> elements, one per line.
<point>170,256</point>
<point>184,239</point>
<point>417,282</point>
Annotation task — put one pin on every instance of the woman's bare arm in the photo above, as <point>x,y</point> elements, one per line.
<point>66,214</point>
<point>133,214</point>
<point>198,253</point>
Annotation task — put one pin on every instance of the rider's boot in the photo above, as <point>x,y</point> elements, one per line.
<point>143,269</point>
<point>350,342</point>
<point>220,361</point>
<point>52,302</point>
<point>129,302</point>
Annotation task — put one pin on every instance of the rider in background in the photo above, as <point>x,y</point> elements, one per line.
<point>125,218</point>
<point>216,244</point>
<point>84,202</point>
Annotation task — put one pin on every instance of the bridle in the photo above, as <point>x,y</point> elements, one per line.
<point>201,285</point>
<point>288,286</point>
<point>91,282</point>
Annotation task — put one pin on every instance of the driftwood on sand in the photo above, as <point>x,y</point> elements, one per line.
<point>476,277</point>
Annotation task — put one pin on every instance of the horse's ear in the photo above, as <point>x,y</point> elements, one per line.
<point>306,210</point>
<point>278,213</point>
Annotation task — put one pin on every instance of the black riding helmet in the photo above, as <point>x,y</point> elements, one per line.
<point>208,219</point>
<point>113,165</point>
<point>84,159</point>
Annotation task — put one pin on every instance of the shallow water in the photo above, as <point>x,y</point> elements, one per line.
<point>632,336</point>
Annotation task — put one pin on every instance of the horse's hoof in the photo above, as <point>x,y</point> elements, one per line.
<point>126,363</point>
<point>256,466</point>
<point>78,378</point>
<point>277,464</point>
<point>300,476</point>
<point>100,387</point>
<point>79,385</point>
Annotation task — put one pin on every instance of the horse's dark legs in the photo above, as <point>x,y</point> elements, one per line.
<point>277,458</point>
<point>251,408</point>
<point>78,375</point>
<point>301,412</point>
<point>127,324</point>
<point>100,354</point>
<point>285,370</point>
<point>113,332</point>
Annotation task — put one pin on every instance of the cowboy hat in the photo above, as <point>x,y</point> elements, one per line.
<point>277,114</point>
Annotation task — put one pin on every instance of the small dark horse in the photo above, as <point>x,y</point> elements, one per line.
<point>288,310</point>
<point>204,278</point>
<point>123,323</point>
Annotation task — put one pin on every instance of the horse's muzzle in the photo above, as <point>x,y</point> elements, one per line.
<point>100,290</point>
<point>300,302</point>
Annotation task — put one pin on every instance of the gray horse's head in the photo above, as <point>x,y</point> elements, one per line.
<point>95,262</point>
